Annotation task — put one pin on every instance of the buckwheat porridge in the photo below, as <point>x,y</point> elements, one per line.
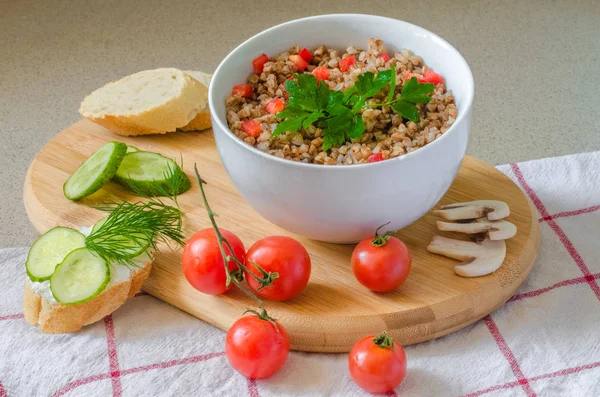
<point>325,108</point>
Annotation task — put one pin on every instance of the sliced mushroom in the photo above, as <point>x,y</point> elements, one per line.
<point>492,209</point>
<point>494,230</point>
<point>478,259</point>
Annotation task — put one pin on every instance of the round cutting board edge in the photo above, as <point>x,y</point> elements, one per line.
<point>46,207</point>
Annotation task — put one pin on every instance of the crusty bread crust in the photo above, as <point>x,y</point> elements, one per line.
<point>201,122</point>
<point>55,318</point>
<point>176,112</point>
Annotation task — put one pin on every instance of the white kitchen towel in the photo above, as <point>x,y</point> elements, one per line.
<point>544,342</point>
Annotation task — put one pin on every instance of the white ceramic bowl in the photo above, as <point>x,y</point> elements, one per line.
<point>343,204</point>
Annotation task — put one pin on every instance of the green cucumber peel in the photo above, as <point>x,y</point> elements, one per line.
<point>95,172</point>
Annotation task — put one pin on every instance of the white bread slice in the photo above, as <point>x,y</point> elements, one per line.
<point>148,102</point>
<point>55,318</point>
<point>202,120</point>
<point>202,77</point>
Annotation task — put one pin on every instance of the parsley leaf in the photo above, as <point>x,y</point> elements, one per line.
<point>303,92</point>
<point>335,104</point>
<point>348,93</point>
<point>406,110</point>
<point>289,125</point>
<point>415,92</point>
<point>324,95</point>
<point>331,140</point>
<point>368,85</point>
<point>308,121</point>
<point>334,134</point>
<point>357,127</point>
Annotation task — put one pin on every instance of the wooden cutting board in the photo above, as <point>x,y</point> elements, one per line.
<point>334,310</point>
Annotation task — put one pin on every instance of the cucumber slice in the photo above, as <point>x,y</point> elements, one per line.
<point>81,276</point>
<point>151,174</point>
<point>131,149</point>
<point>93,173</point>
<point>133,248</point>
<point>50,249</point>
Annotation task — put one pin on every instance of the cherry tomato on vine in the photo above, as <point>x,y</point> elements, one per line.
<point>377,363</point>
<point>284,256</point>
<point>381,262</point>
<point>257,346</point>
<point>202,261</point>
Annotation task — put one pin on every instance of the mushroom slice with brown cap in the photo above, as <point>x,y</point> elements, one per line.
<point>494,230</point>
<point>491,209</point>
<point>478,259</point>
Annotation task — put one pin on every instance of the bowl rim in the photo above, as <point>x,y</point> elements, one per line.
<point>290,163</point>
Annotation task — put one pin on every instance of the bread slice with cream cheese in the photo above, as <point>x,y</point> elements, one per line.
<point>52,317</point>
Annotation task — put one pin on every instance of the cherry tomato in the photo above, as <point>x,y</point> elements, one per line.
<point>381,262</point>
<point>258,63</point>
<point>275,106</point>
<point>377,363</point>
<point>345,63</point>
<point>252,128</point>
<point>282,255</point>
<point>202,261</point>
<point>243,90</point>
<point>321,73</point>
<point>255,347</point>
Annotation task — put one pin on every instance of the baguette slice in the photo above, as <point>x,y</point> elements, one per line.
<point>56,318</point>
<point>202,120</point>
<point>148,102</point>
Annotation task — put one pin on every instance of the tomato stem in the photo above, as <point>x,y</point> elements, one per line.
<point>263,315</point>
<point>381,239</point>
<point>237,276</point>
<point>265,279</point>
<point>384,341</point>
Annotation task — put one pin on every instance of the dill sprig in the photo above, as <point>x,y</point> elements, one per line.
<point>132,226</point>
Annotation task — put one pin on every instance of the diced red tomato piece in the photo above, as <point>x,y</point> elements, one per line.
<point>306,55</point>
<point>429,77</point>
<point>384,56</point>
<point>346,63</point>
<point>375,157</point>
<point>301,64</point>
<point>252,128</point>
<point>321,73</point>
<point>259,63</point>
<point>432,77</point>
<point>275,106</point>
<point>243,90</point>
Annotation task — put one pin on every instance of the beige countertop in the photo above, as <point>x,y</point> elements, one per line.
<point>535,63</point>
